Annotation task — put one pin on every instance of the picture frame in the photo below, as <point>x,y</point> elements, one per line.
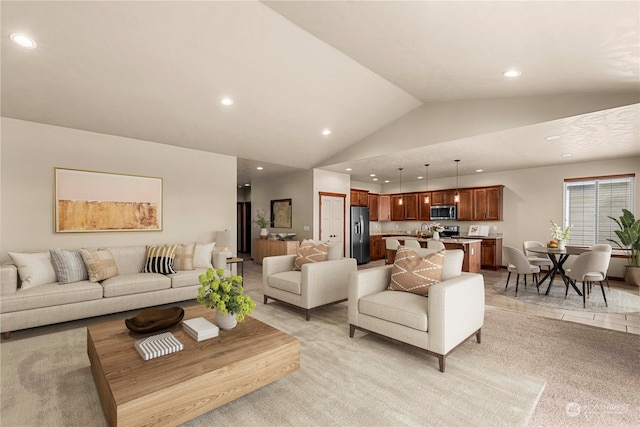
<point>281,213</point>
<point>87,201</point>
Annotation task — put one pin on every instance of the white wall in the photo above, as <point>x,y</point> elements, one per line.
<point>199,187</point>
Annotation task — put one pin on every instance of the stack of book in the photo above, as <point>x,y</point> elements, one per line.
<point>158,345</point>
<point>200,328</point>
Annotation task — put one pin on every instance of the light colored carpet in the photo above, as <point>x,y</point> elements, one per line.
<point>620,301</point>
<point>365,380</point>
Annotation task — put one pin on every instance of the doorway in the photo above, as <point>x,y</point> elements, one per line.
<point>332,218</point>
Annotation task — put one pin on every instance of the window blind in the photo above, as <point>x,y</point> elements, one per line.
<point>588,204</point>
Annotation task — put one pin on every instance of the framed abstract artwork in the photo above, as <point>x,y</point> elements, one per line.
<point>281,213</point>
<point>91,201</point>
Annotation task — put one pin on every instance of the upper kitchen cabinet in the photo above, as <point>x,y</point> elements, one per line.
<point>359,197</point>
<point>373,207</point>
<point>442,198</point>
<point>487,203</point>
<point>397,207</point>
<point>411,206</point>
<point>465,205</point>
<point>384,207</point>
<point>424,206</point>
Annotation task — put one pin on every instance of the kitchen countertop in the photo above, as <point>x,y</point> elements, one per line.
<point>426,239</point>
<point>410,235</point>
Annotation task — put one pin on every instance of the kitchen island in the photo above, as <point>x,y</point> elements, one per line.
<point>471,248</point>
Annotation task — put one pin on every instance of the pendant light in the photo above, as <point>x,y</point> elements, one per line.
<point>401,195</point>
<point>426,183</point>
<point>456,197</point>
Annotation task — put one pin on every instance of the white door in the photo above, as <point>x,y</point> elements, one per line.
<point>332,219</point>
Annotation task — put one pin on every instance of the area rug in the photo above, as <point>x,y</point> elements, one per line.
<point>360,381</point>
<point>619,301</point>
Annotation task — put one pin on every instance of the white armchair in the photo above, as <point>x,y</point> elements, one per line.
<point>452,313</point>
<point>317,285</point>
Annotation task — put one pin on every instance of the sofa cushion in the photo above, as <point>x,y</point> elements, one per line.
<point>202,255</point>
<point>34,269</point>
<point>310,252</point>
<point>129,259</point>
<point>49,295</point>
<point>160,259</point>
<point>100,264</point>
<point>412,273</point>
<point>403,308</point>
<point>184,278</point>
<point>185,255</point>
<point>288,281</point>
<point>69,266</point>
<point>135,283</point>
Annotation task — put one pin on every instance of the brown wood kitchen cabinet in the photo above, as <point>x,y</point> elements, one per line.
<point>410,206</point>
<point>465,205</point>
<point>491,258</point>
<point>424,208</point>
<point>359,197</point>
<point>384,207</point>
<point>376,248</point>
<point>373,207</point>
<point>397,208</point>
<point>442,198</point>
<point>487,203</point>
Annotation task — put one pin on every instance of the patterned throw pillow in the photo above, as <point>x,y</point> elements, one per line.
<point>69,266</point>
<point>414,274</point>
<point>309,252</point>
<point>184,257</point>
<point>160,259</point>
<point>100,264</point>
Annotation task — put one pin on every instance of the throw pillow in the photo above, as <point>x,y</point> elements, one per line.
<point>310,252</point>
<point>100,264</point>
<point>160,259</point>
<point>202,256</point>
<point>184,257</point>
<point>34,269</point>
<point>411,273</point>
<point>69,266</point>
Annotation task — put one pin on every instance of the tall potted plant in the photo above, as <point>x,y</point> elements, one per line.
<point>262,222</point>
<point>629,240</point>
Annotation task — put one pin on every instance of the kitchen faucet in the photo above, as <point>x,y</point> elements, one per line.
<point>424,226</point>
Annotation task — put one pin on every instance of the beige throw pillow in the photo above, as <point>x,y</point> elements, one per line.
<point>100,264</point>
<point>184,257</point>
<point>310,252</point>
<point>34,268</point>
<point>414,274</point>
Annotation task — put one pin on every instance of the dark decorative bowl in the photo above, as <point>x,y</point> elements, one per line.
<point>154,319</point>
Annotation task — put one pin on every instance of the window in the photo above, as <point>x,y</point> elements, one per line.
<point>588,204</point>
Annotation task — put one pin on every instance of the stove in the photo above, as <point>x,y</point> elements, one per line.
<point>450,231</point>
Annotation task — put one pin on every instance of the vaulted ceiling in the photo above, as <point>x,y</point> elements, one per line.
<point>157,71</point>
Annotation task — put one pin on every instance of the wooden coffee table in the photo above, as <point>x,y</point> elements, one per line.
<point>175,388</point>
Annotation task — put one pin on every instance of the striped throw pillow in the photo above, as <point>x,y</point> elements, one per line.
<point>69,266</point>
<point>414,274</point>
<point>160,259</point>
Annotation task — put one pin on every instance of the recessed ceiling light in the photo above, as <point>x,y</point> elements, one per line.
<point>226,101</point>
<point>22,40</point>
<point>552,137</point>
<point>372,174</point>
<point>566,155</point>
<point>375,179</point>
<point>259,168</point>
<point>247,185</point>
<point>326,132</point>
<point>386,181</point>
<point>419,177</point>
<point>479,170</point>
<point>512,73</point>
<point>348,169</point>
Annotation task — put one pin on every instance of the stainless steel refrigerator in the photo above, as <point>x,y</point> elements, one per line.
<point>360,234</point>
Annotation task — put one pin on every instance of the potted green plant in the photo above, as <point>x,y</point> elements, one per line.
<point>629,240</point>
<point>262,222</point>
<point>226,295</point>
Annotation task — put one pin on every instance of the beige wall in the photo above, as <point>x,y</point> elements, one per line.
<point>199,187</point>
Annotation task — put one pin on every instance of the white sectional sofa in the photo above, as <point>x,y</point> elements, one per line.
<point>130,289</point>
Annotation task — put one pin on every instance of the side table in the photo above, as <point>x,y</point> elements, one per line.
<point>238,261</point>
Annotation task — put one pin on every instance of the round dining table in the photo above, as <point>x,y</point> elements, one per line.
<point>558,257</point>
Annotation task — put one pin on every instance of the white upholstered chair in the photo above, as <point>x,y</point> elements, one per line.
<point>589,267</point>
<point>603,247</point>
<point>435,245</point>
<point>317,284</point>
<point>518,263</point>
<point>534,258</point>
<point>391,245</point>
<point>411,243</point>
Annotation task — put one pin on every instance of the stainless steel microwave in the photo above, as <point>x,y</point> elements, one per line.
<point>443,212</point>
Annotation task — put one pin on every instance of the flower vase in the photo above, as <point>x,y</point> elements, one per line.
<point>436,235</point>
<point>264,233</point>
<point>226,321</point>
<point>561,245</point>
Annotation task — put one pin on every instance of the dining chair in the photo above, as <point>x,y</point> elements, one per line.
<point>534,258</point>
<point>518,263</point>
<point>589,267</point>
<point>410,243</point>
<point>603,247</point>
<point>435,244</point>
<point>391,245</point>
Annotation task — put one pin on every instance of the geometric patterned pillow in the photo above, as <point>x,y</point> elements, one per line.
<point>69,266</point>
<point>309,252</point>
<point>184,257</point>
<point>160,259</point>
<point>100,264</point>
<point>411,273</point>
